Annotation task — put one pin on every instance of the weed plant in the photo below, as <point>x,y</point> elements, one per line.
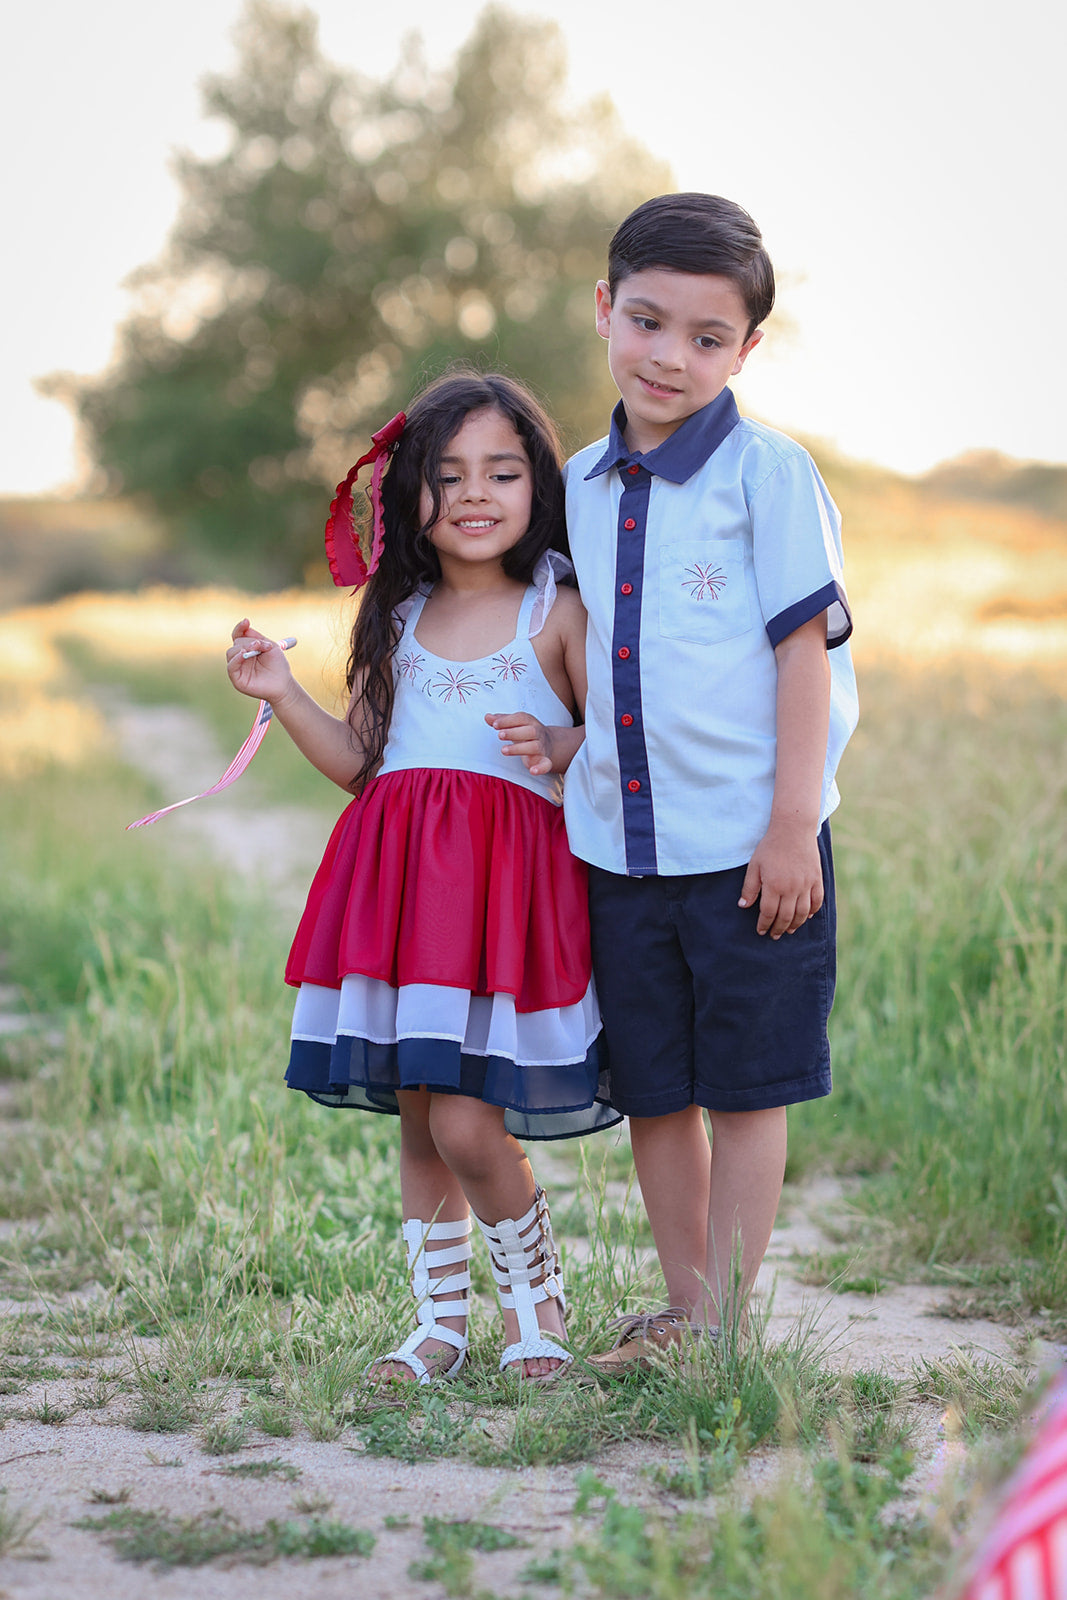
<point>451,1563</point>
<point>275,1468</point>
<point>166,1541</point>
<point>842,1536</point>
<point>17,1527</point>
<point>981,1395</point>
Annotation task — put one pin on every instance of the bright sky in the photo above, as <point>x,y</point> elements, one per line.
<point>904,162</point>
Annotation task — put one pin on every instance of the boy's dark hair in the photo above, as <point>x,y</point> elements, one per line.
<point>696,233</point>
<point>409,559</point>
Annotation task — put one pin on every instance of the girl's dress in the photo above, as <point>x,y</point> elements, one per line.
<point>445,941</point>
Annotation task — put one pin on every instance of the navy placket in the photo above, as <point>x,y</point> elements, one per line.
<point>639,823</point>
<point>676,459</point>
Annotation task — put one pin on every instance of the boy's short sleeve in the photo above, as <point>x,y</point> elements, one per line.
<point>796,542</point>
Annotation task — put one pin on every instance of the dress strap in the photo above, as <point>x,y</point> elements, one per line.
<point>409,611</point>
<point>550,567</point>
<point>529,600</point>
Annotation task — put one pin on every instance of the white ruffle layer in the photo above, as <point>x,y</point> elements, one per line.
<point>484,1025</point>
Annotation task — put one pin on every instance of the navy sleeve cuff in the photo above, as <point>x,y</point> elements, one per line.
<point>832,599</point>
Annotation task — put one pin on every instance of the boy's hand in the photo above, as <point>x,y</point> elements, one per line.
<point>256,664</point>
<point>786,874</point>
<point>522,735</point>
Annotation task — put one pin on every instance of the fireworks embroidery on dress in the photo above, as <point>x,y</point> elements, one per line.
<point>455,684</point>
<point>410,665</point>
<point>704,582</point>
<point>508,668</point>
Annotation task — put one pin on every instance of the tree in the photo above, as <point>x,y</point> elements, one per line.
<point>354,238</point>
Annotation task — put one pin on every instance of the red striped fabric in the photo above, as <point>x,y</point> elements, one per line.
<point>1024,1556</point>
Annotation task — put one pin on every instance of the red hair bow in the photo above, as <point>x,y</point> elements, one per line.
<point>342,538</point>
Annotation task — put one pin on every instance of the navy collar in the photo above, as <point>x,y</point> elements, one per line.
<point>687,448</point>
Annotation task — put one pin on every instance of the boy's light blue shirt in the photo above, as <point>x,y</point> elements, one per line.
<point>694,562</point>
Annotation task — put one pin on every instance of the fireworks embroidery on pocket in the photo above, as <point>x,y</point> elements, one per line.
<point>704,582</point>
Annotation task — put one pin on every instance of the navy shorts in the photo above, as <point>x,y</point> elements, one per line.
<point>701,1009</point>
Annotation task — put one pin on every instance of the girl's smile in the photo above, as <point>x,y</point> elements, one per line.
<point>486,491</point>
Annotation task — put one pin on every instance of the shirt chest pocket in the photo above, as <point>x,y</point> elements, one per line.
<point>703,595</point>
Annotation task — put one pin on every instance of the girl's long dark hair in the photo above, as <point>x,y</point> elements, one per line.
<point>409,560</point>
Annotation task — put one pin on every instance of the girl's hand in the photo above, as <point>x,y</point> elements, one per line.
<point>256,664</point>
<point>522,735</point>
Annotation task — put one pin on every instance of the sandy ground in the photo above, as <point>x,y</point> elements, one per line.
<point>54,1471</point>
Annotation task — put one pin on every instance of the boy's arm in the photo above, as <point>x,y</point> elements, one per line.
<point>785,870</point>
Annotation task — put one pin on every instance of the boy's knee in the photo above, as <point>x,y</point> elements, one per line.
<point>765,1119</point>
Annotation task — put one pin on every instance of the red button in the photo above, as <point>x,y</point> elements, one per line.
<point>629,523</point>
<point>633,786</point>
<point>632,470</point>
<point>624,653</point>
<point>626,720</point>
<point>627,588</point>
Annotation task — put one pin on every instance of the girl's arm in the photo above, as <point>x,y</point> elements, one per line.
<point>328,742</point>
<point>542,748</point>
<point>560,649</point>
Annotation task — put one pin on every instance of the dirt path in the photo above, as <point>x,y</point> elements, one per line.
<point>62,1472</point>
<point>273,845</point>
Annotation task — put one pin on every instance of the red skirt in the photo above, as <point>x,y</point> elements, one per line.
<point>452,878</point>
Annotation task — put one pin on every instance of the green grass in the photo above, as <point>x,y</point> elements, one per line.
<point>844,1536</point>
<point>166,1541</point>
<point>244,1244</point>
<point>950,1044</point>
<point>981,1395</point>
<point>275,1468</point>
<point>17,1526</point>
<point>451,1562</point>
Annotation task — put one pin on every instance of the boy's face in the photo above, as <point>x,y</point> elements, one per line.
<point>674,339</point>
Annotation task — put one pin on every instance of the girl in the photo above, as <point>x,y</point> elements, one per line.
<point>443,958</point>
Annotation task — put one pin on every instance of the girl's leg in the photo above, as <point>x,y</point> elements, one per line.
<point>491,1167</point>
<point>674,1166</point>
<point>747,1168</point>
<point>430,1193</point>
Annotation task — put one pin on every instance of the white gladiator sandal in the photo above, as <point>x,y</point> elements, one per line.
<point>434,1297</point>
<point>521,1253</point>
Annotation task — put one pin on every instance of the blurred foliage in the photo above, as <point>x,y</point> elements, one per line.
<point>54,547</point>
<point>986,475</point>
<point>354,238</point>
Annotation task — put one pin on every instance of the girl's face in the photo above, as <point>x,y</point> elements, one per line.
<point>486,489</point>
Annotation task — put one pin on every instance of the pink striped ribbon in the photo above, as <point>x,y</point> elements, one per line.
<point>1024,1556</point>
<point>260,723</point>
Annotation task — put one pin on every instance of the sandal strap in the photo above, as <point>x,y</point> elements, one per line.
<point>417,1366</point>
<point>520,1250</point>
<point>423,1239</point>
<point>444,1296</point>
<point>418,1336</point>
<point>530,1349</point>
<point>424,1253</point>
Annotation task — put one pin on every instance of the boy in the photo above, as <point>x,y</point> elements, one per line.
<point>721,696</point>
